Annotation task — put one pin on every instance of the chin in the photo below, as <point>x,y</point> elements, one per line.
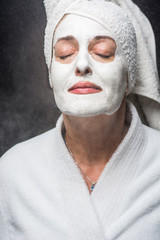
<point>88,106</point>
<point>90,112</point>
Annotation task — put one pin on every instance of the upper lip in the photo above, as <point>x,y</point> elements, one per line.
<point>83,84</point>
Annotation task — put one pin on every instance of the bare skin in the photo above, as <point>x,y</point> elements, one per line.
<point>93,140</point>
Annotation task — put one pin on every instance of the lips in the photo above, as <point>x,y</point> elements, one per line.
<point>84,88</point>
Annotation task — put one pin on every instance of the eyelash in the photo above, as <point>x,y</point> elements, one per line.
<point>64,57</point>
<point>100,55</point>
<point>103,56</point>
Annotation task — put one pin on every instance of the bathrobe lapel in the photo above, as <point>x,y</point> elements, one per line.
<point>117,177</point>
<point>80,214</point>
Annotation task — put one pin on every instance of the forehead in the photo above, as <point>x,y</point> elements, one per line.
<point>81,28</point>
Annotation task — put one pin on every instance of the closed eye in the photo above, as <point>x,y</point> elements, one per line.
<point>64,57</point>
<point>103,56</point>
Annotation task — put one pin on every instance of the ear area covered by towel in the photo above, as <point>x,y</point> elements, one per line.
<point>147,75</point>
<point>147,88</point>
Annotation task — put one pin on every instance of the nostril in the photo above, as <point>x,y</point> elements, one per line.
<point>80,72</point>
<point>87,71</point>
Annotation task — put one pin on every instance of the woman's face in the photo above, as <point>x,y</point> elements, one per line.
<point>88,72</point>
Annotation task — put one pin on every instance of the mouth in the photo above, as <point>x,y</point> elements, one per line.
<point>84,88</point>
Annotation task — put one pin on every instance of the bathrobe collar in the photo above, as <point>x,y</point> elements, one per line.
<point>92,211</point>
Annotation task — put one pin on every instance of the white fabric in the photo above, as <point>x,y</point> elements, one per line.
<point>147,86</point>
<point>43,195</point>
<point>147,76</point>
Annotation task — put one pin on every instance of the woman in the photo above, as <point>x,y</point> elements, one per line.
<point>97,174</point>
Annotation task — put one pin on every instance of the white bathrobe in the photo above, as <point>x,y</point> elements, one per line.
<point>43,195</point>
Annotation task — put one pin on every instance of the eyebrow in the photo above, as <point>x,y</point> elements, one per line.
<point>67,38</point>
<point>71,38</point>
<point>102,37</point>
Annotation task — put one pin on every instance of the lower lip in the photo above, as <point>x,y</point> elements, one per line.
<point>85,90</point>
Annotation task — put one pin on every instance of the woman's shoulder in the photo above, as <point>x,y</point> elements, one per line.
<point>26,163</point>
<point>25,169</point>
<point>28,150</point>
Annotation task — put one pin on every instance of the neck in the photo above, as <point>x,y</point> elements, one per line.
<point>93,140</point>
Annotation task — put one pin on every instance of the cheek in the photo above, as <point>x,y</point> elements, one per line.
<point>60,73</point>
<point>113,75</point>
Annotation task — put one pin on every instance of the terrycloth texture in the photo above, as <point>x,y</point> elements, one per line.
<point>147,82</point>
<point>147,77</point>
<point>147,90</point>
<point>44,196</point>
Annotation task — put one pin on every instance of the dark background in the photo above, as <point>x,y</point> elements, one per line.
<point>26,101</point>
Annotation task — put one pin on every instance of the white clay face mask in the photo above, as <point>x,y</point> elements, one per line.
<point>88,72</point>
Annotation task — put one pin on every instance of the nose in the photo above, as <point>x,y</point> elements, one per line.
<point>83,63</point>
<point>82,72</point>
